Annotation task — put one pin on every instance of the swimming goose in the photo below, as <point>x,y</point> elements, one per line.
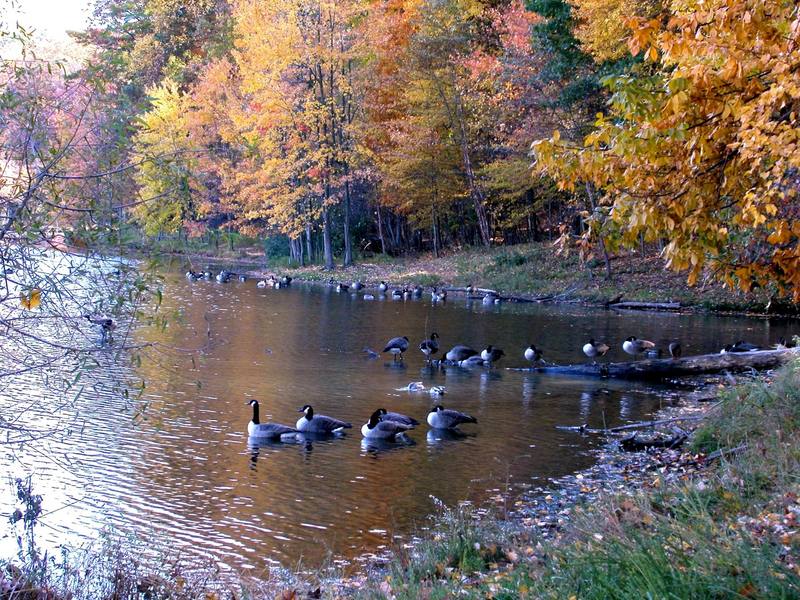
<point>262,283</point>
<point>383,287</point>
<point>397,418</point>
<point>675,349</point>
<point>357,286</point>
<point>286,280</point>
<point>784,345</point>
<point>106,324</point>
<point>417,291</point>
<point>491,298</point>
<point>633,346</point>
<point>207,274</point>
<point>593,349</point>
<point>242,278</point>
<point>445,418</point>
<point>532,354</point>
<point>740,346</point>
<point>438,296</point>
<point>472,361</point>
<point>192,276</point>
<point>224,276</point>
<point>256,428</point>
<point>430,346</point>
<point>396,346</point>
<point>311,423</point>
<point>492,354</point>
<point>397,295</point>
<point>459,353</point>
<point>369,297</point>
<point>341,287</point>
<point>380,428</point>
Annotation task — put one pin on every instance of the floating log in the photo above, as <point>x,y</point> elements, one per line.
<point>647,305</point>
<point>662,368</point>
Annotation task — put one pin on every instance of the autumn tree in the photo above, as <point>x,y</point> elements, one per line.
<point>700,145</point>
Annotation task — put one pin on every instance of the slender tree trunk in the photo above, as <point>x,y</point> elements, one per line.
<point>435,231</point>
<point>327,248</point>
<point>380,230</point>
<point>606,259</point>
<point>309,247</point>
<point>348,242</point>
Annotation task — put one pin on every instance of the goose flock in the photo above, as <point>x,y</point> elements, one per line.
<point>381,425</point>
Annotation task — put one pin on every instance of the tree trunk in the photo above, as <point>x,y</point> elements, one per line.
<point>380,229</point>
<point>606,259</point>
<point>348,243</point>
<point>435,231</point>
<point>327,249</point>
<point>309,247</point>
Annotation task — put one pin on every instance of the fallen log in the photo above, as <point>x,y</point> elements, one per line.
<point>633,444</point>
<point>647,305</point>
<point>663,368</point>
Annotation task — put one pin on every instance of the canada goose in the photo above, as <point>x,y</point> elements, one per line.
<point>437,390</point>
<point>417,291</point>
<point>380,428</point>
<point>397,418</point>
<point>256,428</point>
<point>224,276</point>
<point>207,274</point>
<point>430,346</point>
<point>369,297</point>
<point>633,346</point>
<point>397,295</point>
<point>106,324</point>
<point>675,349</point>
<point>783,344</point>
<point>470,289</point>
<point>341,287</point>
<point>459,353</point>
<point>593,349</point>
<point>383,287</point>
<point>406,293</point>
<point>357,286</point>
<point>438,296</point>
<point>490,298</point>
<point>740,346</point>
<point>262,283</point>
<point>311,423</point>
<point>396,346</point>
<point>445,418</point>
<point>286,280</point>
<point>414,386</point>
<point>492,354</point>
<point>192,276</point>
<point>532,354</point>
<point>242,278</point>
<point>472,361</point>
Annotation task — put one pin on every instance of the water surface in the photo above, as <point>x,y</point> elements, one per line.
<point>178,463</point>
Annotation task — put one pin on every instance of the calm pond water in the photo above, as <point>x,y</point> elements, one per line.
<point>177,463</point>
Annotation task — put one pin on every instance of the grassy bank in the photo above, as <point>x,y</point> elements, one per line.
<point>725,528</point>
<point>533,270</point>
<point>719,518</point>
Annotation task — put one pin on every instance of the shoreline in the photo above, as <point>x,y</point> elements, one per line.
<point>646,281</point>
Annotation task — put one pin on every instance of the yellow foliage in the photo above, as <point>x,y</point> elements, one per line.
<point>603,25</point>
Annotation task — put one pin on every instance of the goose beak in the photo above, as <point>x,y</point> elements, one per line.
<point>300,410</point>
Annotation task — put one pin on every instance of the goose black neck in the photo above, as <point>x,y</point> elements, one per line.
<point>255,413</point>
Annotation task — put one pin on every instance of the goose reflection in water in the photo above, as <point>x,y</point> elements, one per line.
<point>257,445</point>
<point>441,437</point>
<point>374,447</point>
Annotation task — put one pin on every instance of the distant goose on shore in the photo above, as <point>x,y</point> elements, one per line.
<point>635,346</point>
<point>357,286</point>
<point>262,283</point>
<point>397,295</point>
<point>491,298</point>
<point>312,423</point>
<point>593,349</point>
<point>675,349</point>
<point>378,428</point>
<point>459,353</point>
<point>383,287</point>
<point>430,346</point>
<point>417,291</point>
<point>438,296</point>
<point>192,276</point>
<point>369,297</point>
<point>396,347</point>
<point>532,354</point>
<point>256,428</point>
<point>106,325</point>
<point>491,354</point>
<point>286,280</point>
<point>445,418</point>
<point>342,288</point>
<point>242,278</point>
<point>784,345</point>
<point>207,274</point>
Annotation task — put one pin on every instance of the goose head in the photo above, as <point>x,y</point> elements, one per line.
<point>308,411</point>
<point>375,418</point>
<point>254,404</point>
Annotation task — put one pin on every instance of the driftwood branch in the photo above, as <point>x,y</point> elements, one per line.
<point>647,305</point>
<point>681,367</point>
<point>631,426</point>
